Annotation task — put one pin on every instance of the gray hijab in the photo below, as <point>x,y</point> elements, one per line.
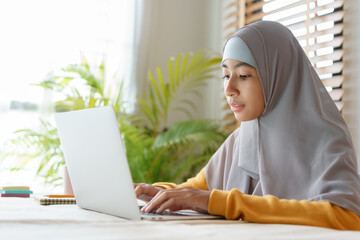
<point>300,147</point>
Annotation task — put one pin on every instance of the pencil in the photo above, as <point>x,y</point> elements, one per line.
<point>60,196</point>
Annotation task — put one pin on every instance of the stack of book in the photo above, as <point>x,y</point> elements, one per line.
<point>15,191</point>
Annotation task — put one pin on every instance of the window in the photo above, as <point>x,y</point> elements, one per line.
<point>41,36</point>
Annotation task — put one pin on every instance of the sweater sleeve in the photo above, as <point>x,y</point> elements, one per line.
<point>199,181</point>
<point>269,209</point>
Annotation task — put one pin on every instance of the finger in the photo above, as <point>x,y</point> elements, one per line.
<point>177,208</point>
<point>150,205</point>
<point>167,199</point>
<point>177,199</point>
<point>168,204</point>
<point>144,197</point>
<point>139,190</point>
<point>146,192</point>
<point>157,200</point>
<point>142,188</point>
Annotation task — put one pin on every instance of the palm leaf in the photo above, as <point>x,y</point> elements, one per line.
<point>193,130</point>
<point>91,80</point>
<point>164,89</point>
<point>187,73</point>
<point>172,78</point>
<point>156,88</point>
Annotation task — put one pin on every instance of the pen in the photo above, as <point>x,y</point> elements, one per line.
<point>60,196</point>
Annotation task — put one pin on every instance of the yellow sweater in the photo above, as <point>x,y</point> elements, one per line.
<point>234,204</point>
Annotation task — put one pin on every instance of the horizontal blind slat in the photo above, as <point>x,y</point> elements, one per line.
<point>254,17</point>
<point>334,82</point>
<point>336,16</point>
<point>335,56</point>
<point>232,4</point>
<point>337,29</point>
<point>335,4</point>
<point>254,7</point>
<point>335,68</point>
<point>339,105</point>
<point>336,94</point>
<point>231,15</point>
<point>284,19</point>
<point>289,6</point>
<point>336,42</point>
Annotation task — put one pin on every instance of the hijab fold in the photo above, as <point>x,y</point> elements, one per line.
<point>300,147</point>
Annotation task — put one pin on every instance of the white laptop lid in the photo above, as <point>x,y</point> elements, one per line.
<point>91,137</point>
<point>96,160</point>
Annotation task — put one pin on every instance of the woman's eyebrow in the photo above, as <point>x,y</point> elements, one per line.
<point>237,65</point>
<point>242,64</point>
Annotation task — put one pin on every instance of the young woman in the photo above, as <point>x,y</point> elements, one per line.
<point>291,161</point>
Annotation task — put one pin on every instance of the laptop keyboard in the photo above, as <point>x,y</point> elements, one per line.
<point>164,213</point>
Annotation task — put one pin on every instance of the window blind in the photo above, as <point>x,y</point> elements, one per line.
<point>317,24</point>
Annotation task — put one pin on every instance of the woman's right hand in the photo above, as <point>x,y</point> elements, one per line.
<point>145,192</point>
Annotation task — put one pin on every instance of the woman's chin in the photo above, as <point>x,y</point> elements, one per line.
<point>243,117</point>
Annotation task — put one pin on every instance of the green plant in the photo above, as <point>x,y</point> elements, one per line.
<point>156,152</point>
<point>43,145</point>
<point>186,74</point>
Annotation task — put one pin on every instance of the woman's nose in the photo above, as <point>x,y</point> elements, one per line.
<point>230,88</point>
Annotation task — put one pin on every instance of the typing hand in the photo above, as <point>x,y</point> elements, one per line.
<point>145,192</point>
<point>178,199</point>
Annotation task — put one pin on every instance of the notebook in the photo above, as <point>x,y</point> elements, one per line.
<point>98,168</point>
<point>47,200</point>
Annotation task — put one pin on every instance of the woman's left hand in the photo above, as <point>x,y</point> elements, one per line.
<point>178,199</point>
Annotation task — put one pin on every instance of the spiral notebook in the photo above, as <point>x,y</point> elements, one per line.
<point>46,200</point>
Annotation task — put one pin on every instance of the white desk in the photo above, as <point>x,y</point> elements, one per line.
<point>25,219</point>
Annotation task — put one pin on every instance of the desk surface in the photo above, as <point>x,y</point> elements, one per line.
<point>26,219</point>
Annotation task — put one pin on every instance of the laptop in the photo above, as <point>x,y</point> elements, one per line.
<point>98,168</point>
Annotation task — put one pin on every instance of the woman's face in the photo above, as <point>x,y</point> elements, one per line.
<point>243,90</point>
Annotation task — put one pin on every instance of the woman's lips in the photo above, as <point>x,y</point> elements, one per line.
<point>237,107</point>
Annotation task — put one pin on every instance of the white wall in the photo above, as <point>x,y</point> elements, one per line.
<point>351,85</point>
<point>174,27</point>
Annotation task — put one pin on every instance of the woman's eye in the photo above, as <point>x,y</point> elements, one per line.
<point>244,76</point>
<point>226,77</point>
